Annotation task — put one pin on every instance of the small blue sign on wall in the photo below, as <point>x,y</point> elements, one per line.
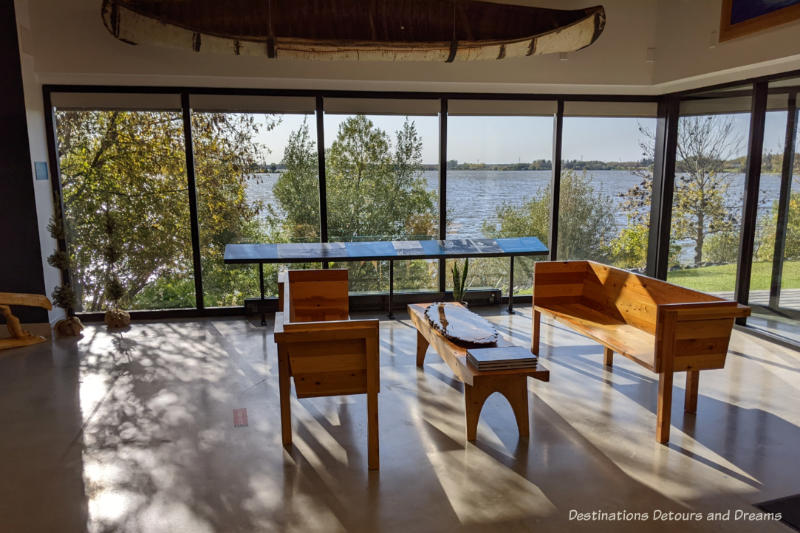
<point>41,170</point>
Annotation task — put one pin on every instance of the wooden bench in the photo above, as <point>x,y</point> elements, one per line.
<point>325,352</point>
<point>478,386</point>
<point>661,326</point>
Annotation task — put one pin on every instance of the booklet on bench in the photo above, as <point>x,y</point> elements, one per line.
<point>501,358</point>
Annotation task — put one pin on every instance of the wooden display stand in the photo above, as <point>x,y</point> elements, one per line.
<point>20,337</point>
<point>478,386</point>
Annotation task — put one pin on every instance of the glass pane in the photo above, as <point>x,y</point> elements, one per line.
<point>128,166</point>
<point>257,181</point>
<point>382,185</point>
<point>498,185</point>
<point>769,191</point>
<point>606,186</point>
<point>707,200</point>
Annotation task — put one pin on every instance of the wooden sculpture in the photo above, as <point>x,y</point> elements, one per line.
<point>460,325</point>
<point>20,337</point>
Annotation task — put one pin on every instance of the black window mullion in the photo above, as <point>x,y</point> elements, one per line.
<point>188,149</point>
<point>755,149</point>
<point>323,193</point>
<point>663,187</point>
<point>442,188</point>
<point>555,180</point>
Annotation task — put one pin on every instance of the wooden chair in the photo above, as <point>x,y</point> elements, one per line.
<point>325,352</point>
<point>20,337</point>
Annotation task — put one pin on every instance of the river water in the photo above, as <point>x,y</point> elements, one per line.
<point>473,195</point>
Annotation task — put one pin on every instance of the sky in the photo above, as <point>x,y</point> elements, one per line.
<point>516,139</point>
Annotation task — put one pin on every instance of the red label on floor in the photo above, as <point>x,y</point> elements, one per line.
<point>240,417</point>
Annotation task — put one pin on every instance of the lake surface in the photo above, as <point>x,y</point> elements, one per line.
<point>473,195</point>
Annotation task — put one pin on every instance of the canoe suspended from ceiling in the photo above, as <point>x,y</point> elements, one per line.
<point>394,30</point>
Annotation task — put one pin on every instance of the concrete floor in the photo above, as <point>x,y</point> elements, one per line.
<point>134,431</point>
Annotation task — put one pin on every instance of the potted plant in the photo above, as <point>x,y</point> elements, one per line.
<point>114,317</point>
<point>460,281</point>
<point>63,295</point>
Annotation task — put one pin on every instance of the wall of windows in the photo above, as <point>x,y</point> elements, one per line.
<point>256,179</point>
<point>124,185</point>
<point>498,181</point>
<point>606,182</point>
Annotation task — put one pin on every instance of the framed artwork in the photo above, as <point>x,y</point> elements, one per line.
<point>742,17</point>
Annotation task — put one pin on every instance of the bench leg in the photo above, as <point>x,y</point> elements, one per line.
<point>692,383</point>
<point>422,347</point>
<point>285,389</point>
<point>372,430</point>
<point>664,406</point>
<point>608,356</point>
<point>514,388</point>
<point>537,319</point>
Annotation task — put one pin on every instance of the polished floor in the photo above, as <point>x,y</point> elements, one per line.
<point>135,431</point>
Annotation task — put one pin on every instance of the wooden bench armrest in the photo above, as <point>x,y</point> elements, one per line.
<point>28,300</point>
<point>327,330</point>
<point>707,310</point>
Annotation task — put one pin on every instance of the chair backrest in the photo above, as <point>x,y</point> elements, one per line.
<point>332,358</point>
<point>317,295</point>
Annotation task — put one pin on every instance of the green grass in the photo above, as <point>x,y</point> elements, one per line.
<point>723,277</point>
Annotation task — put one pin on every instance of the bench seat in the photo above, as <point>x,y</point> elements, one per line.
<point>620,337</point>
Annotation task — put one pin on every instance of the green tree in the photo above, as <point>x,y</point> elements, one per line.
<point>700,209</point>
<point>766,237</point>
<point>586,220</point>
<point>133,164</point>
<point>295,218</point>
<point>700,197</point>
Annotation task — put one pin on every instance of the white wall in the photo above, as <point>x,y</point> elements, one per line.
<point>72,46</point>
<point>38,147</point>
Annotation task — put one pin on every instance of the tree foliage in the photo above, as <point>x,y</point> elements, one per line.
<point>133,164</point>
<point>700,197</point>
<point>586,220</point>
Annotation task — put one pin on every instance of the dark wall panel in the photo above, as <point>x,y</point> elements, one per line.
<point>20,253</point>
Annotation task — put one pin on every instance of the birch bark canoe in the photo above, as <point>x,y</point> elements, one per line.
<point>374,30</point>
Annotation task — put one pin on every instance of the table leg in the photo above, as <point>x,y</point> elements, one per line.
<point>391,287</point>
<point>514,388</point>
<point>284,391</point>
<point>692,382</point>
<point>511,286</point>
<point>261,287</point>
<point>422,347</point>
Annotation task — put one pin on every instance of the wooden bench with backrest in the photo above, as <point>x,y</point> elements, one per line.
<point>661,326</point>
<point>325,352</point>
